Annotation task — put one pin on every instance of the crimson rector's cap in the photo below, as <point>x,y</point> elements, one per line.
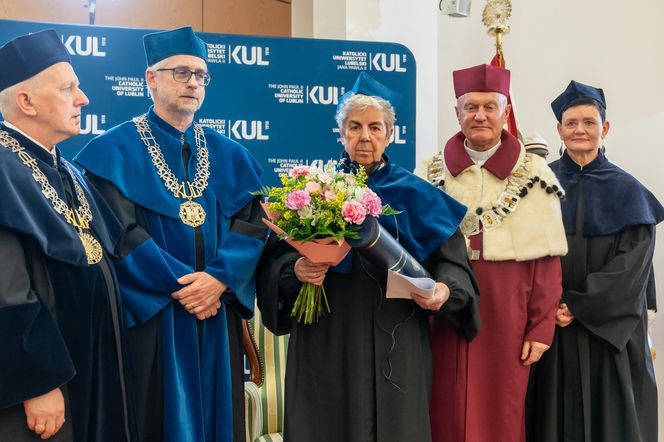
<point>367,85</point>
<point>573,94</point>
<point>482,78</point>
<point>181,41</point>
<point>27,55</point>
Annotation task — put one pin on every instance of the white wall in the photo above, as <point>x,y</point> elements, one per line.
<point>606,43</point>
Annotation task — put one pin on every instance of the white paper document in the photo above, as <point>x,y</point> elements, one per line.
<point>399,286</point>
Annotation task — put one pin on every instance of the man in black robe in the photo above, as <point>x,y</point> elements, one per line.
<point>363,372</point>
<point>597,382</point>
<point>61,364</point>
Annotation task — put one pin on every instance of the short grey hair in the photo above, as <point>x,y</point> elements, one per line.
<point>158,65</point>
<point>154,68</point>
<point>8,99</point>
<point>360,102</point>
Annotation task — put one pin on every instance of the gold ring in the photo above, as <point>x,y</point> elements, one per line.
<point>42,426</point>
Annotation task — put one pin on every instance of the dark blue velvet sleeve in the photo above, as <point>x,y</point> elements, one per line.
<point>33,356</point>
<point>238,255</point>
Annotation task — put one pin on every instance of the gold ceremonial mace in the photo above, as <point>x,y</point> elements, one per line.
<point>495,16</point>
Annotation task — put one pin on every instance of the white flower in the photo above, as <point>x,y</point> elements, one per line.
<point>306,212</point>
<point>330,167</point>
<point>339,187</point>
<point>324,177</point>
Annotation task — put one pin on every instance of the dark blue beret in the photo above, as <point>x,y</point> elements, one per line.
<point>164,44</point>
<point>367,85</point>
<point>577,91</point>
<point>27,55</point>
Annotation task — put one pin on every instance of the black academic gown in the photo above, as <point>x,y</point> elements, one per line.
<point>597,382</point>
<point>59,320</point>
<point>363,372</point>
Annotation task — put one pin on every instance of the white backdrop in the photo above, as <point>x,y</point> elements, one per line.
<point>606,43</point>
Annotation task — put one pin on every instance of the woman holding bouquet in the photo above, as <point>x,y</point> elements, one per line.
<point>363,372</point>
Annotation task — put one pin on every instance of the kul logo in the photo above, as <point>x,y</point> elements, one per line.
<point>387,62</point>
<point>249,130</point>
<point>324,95</point>
<point>398,135</point>
<point>88,46</point>
<point>91,124</point>
<point>250,55</point>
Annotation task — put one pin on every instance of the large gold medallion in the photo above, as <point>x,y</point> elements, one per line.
<point>92,248</point>
<point>192,214</point>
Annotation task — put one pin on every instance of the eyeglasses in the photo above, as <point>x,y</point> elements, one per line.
<point>183,75</point>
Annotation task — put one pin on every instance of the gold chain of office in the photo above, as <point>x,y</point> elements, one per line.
<point>79,218</point>
<point>191,212</point>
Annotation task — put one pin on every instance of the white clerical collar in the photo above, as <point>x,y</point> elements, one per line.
<point>480,157</point>
<point>11,126</point>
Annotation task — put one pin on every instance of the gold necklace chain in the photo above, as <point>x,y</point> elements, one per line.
<point>79,218</point>
<point>180,190</point>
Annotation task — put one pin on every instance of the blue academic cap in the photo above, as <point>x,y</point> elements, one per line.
<point>164,44</point>
<point>367,85</point>
<point>577,91</point>
<point>27,55</point>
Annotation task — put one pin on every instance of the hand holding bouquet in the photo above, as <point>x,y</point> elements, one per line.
<point>314,210</point>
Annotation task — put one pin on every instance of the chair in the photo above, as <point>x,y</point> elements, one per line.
<point>264,392</point>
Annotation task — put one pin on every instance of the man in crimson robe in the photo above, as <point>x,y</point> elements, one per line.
<point>516,237</point>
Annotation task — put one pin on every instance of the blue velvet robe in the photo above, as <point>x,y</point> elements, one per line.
<point>59,321</point>
<point>196,376</point>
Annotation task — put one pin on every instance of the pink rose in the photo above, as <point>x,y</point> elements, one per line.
<point>372,203</point>
<point>299,171</point>
<point>353,212</point>
<point>312,187</point>
<point>297,199</point>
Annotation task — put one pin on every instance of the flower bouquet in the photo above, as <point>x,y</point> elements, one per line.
<point>315,210</point>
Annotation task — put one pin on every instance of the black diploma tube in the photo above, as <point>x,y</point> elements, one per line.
<point>378,246</point>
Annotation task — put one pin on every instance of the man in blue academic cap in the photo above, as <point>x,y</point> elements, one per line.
<point>190,241</point>
<point>61,365</point>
